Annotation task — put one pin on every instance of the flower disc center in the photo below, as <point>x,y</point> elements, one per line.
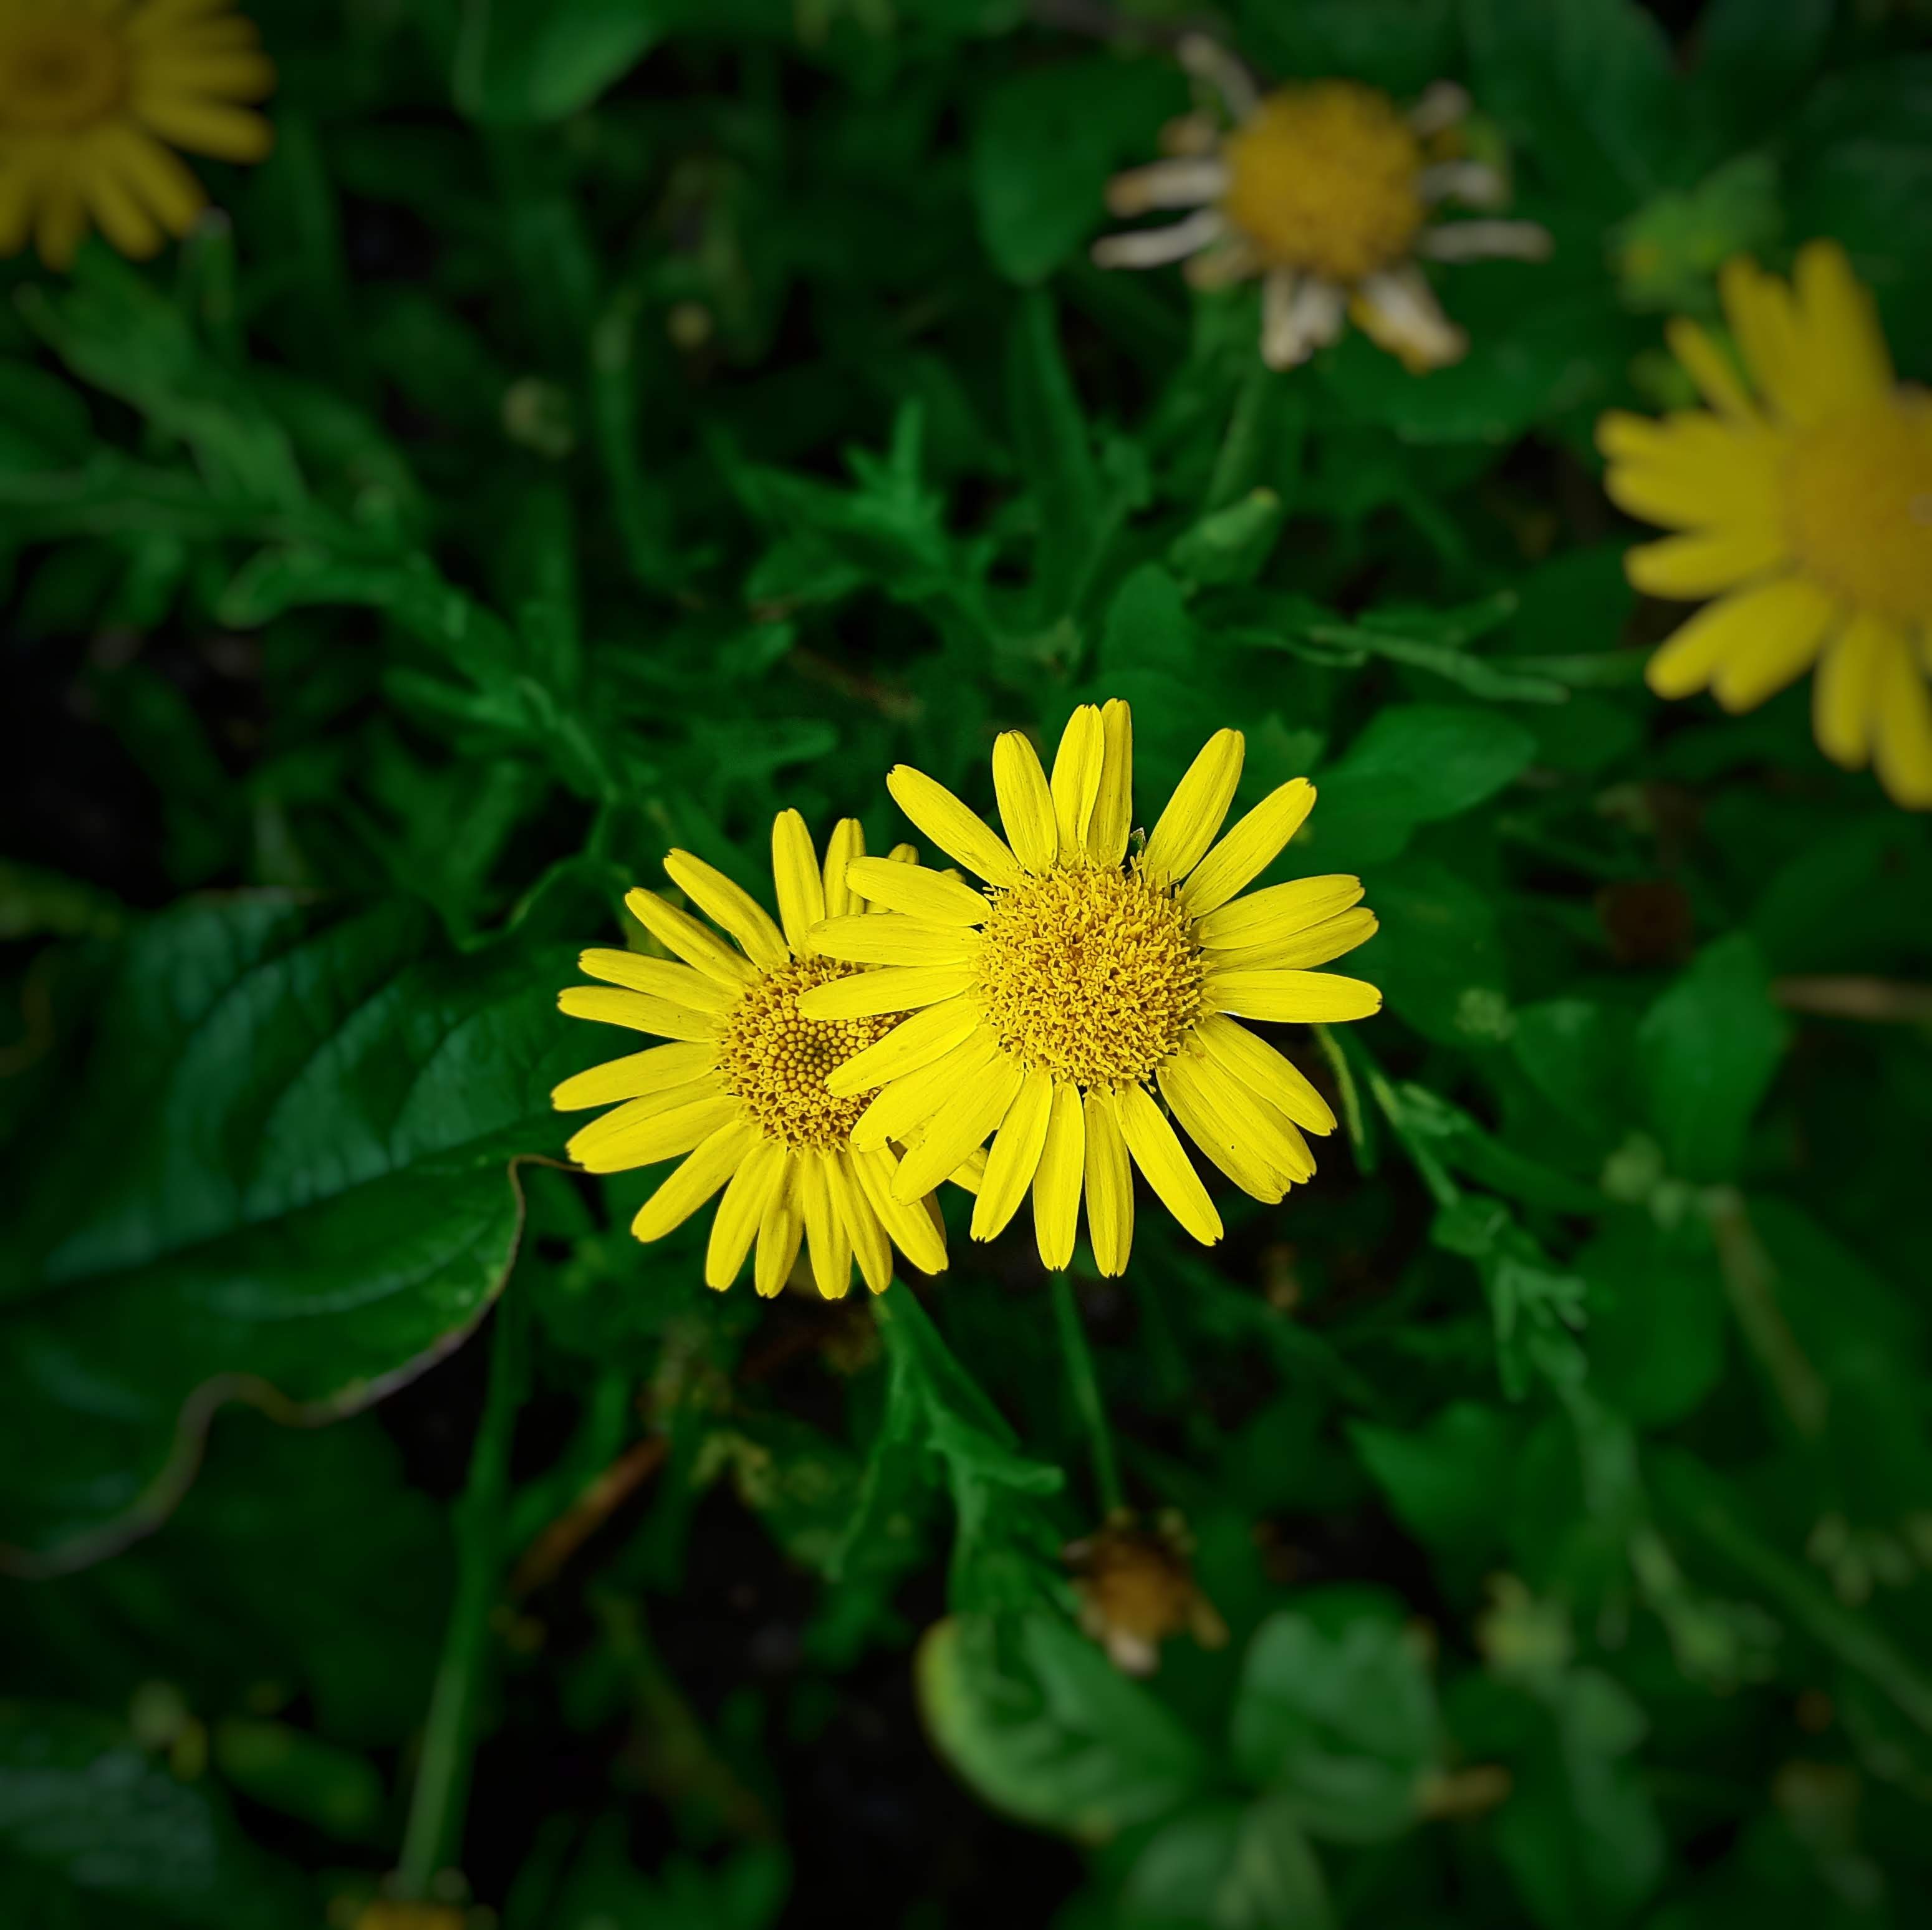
<point>1093,976</point>
<point>58,75</point>
<point>1323,177</point>
<point>1859,500</point>
<point>775,1061</point>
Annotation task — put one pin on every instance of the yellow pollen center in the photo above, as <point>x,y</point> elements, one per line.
<point>1323,177</point>
<point>1093,976</point>
<point>57,76</point>
<point>776,1061</point>
<point>1859,506</point>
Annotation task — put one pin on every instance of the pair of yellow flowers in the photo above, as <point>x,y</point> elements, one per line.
<point>835,1066</point>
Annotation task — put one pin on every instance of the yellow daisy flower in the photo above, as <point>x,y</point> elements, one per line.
<point>1044,1005</point>
<point>1810,502</point>
<point>1324,189</point>
<point>740,1091</point>
<point>89,91</point>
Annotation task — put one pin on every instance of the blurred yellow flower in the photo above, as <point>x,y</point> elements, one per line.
<point>1045,1006</point>
<point>740,1092</point>
<point>1805,503</point>
<point>1325,190</point>
<point>89,91</point>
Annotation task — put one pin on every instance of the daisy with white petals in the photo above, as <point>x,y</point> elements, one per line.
<point>1051,1007</point>
<point>1325,190</point>
<point>740,1094</point>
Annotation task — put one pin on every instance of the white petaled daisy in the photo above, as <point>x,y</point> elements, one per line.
<point>1049,1007</point>
<point>1325,190</point>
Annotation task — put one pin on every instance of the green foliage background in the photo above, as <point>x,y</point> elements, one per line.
<point>602,424</point>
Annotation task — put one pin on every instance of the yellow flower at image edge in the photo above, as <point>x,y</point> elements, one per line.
<point>1805,505</point>
<point>740,1092</point>
<point>1046,1006</point>
<point>1325,190</point>
<point>93,93</point>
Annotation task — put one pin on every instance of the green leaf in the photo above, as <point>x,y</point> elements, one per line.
<point>1415,764</point>
<point>1047,140</point>
<point>520,61</point>
<point>1439,955</point>
<point>1707,1051</point>
<point>1337,1712</point>
<point>1443,1479</point>
<point>1752,55</point>
<point>1658,1321</point>
<point>285,1769</point>
<point>1575,1052</point>
<point>1042,1725</point>
<point>78,1798</point>
<point>282,1176</point>
<point>1221,1867</point>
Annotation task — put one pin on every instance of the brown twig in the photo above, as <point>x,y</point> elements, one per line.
<point>541,1561</point>
<point>1882,1001</point>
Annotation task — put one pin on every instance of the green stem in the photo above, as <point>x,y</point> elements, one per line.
<point>1087,1394</point>
<point>435,1827</point>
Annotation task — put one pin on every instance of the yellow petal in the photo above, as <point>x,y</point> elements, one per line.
<point>678,931</point>
<point>1703,564</point>
<point>212,128</point>
<point>1249,848</point>
<point>908,1222</point>
<point>1114,806</point>
<point>1315,946</point>
<point>914,1043</point>
<point>917,892</point>
<point>735,1224</point>
<point>1110,1186</point>
<point>1709,368</point>
<point>1902,737</point>
<point>1843,343</point>
<point>1056,1184</point>
<point>1744,625</point>
<point>1194,813</point>
<point>1257,1066</point>
<point>961,833</point>
<point>60,221</point>
<point>225,74</point>
<point>843,849</point>
<point>610,1007</point>
<point>1694,470</point>
<point>1015,1157</point>
<point>781,1232</point>
<point>1294,997</point>
<point>863,1233</point>
<point>646,1130</point>
<point>1280,911</point>
<point>1169,1170</point>
<point>1194,1094</point>
<point>1026,804</point>
<point>871,939</point>
<point>117,211</point>
<point>1243,1119</point>
<point>710,1165</point>
<point>1844,696</point>
<point>891,989</point>
<point>730,907</point>
<point>1077,767</point>
<point>902,1108</point>
<point>960,1125</point>
<point>654,1070</point>
<point>825,1238</point>
<point>969,1173</point>
<point>795,872</point>
<point>658,978</point>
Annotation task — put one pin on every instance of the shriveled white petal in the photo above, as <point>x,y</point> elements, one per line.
<point>1485,241</point>
<point>1473,183</point>
<point>1153,247</point>
<point>1300,313</point>
<point>1184,181</point>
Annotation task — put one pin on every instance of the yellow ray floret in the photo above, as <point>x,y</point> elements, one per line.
<point>1088,997</point>
<point>747,1094</point>
<point>94,95</point>
<point>1802,502</point>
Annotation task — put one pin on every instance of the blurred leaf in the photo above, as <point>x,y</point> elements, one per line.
<point>314,1107</point>
<point>1708,1050</point>
<point>1222,1868</point>
<point>520,61</point>
<point>78,1797</point>
<point>282,1768</point>
<point>1042,1726</point>
<point>1442,1479</point>
<point>1339,1719</point>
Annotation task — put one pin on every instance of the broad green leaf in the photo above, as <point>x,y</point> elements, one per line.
<point>1443,1479</point>
<point>282,1176</point>
<point>1042,1725</point>
<point>1707,1051</point>
<point>1752,56</point>
<point>77,1798</point>
<point>1220,1867</point>
<point>1658,1321</point>
<point>1046,141</point>
<point>1437,955</point>
<point>520,61</point>
<point>1576,1053</point>
<point>1340,1718</point>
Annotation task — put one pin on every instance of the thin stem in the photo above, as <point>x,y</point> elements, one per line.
<point>435,1827</point>
<point>1087,1394</point>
